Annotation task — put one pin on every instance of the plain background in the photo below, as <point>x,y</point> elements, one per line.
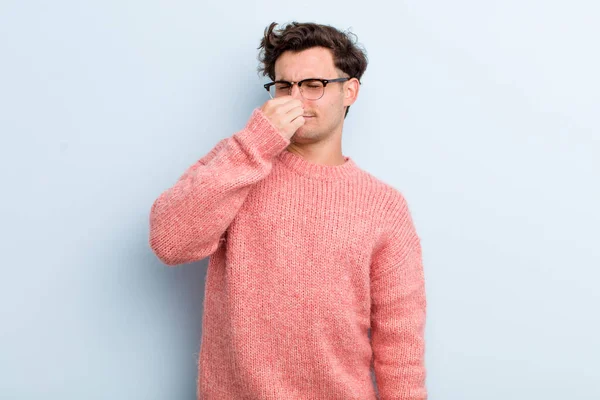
<point>484,114</point>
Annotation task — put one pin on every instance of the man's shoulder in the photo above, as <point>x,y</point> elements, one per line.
<point>386,190</point>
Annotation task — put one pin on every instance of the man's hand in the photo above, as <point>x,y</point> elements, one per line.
<point>284,113</point>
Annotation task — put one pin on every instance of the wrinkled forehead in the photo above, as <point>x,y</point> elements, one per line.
<point>311,63</point>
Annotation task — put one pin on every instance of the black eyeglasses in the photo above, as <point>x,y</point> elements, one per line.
<point>310,89</point>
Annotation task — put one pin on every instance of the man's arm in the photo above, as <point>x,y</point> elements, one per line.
<point>188,219</point>
<point>398,310</point>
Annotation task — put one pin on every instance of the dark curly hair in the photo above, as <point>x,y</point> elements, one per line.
<point>347,55</point>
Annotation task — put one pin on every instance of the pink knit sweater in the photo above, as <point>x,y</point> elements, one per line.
<point>304,260</point>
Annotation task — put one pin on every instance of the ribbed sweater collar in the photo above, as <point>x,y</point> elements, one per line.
<point>318,171</point>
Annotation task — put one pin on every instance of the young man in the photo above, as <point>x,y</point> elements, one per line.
<point>307,251</point>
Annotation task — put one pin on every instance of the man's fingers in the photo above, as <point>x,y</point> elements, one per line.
<point>297,123</point>
<point>286,103</point>
<point>294,113</point>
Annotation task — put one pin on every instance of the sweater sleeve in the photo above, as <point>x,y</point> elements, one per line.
<point>188,219</point>
<point>398,310</point>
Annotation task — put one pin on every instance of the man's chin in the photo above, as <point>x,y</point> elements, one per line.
<point>302,137</point>
<point>296,137</point>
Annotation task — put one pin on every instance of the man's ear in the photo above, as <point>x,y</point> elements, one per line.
<point>351,89</point>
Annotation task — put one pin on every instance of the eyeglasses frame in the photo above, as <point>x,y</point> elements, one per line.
<point>267,86</point>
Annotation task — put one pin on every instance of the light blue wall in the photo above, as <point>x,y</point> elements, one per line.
<point>484,114</point>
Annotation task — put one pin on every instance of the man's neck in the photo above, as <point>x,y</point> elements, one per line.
<point>319,153</point>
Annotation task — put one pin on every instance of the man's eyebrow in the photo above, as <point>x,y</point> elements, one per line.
<point>287,80</point>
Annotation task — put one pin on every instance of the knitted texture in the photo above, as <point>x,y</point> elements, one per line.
<point>305,259</point>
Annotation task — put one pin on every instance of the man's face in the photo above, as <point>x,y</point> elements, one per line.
<point>325,116</point>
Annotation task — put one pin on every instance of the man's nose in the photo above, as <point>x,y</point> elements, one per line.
<point>295,92</point>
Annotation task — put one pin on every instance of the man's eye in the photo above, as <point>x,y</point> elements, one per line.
<point>282,86</point>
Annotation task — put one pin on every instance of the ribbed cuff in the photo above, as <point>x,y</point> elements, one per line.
<point>261,135</point>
